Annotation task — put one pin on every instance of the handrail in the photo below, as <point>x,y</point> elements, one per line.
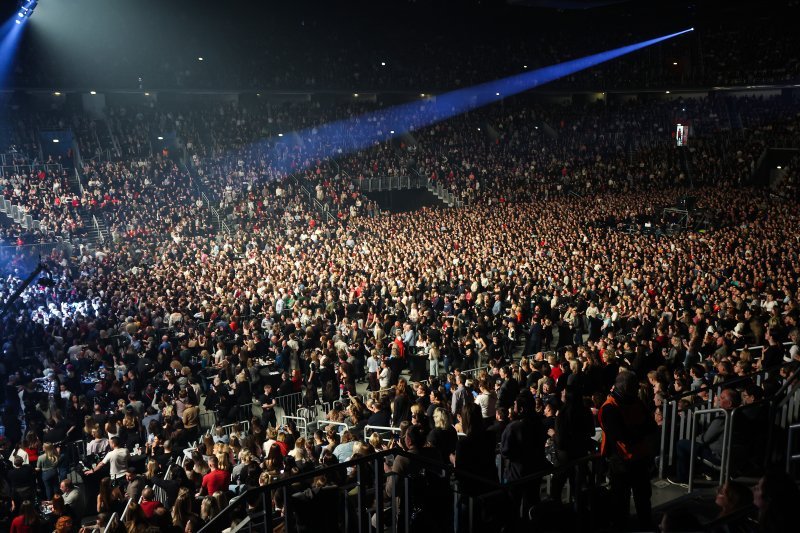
<point>380,429</point>
<point>670,409</point>
<point>791,457</point>
<point>112,522</point>
<point>125,511</point>
<point>725,443</point>
<point>97,229</point>
<point>735,381</point>
<point>789,381</point>
<point>223,518</point>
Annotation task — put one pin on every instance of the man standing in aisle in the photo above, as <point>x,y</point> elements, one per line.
<point>627,429</point>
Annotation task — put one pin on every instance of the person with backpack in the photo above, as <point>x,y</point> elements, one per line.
<point>627,427</point>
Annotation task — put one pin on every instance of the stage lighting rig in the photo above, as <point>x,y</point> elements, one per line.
<point>25,11</point>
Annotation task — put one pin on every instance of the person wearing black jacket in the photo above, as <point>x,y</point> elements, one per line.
<point>381,415</point>
<point>22,480</point>
<point>508,390</point>
<point>627,426</point>
<point>573,435</point>
<point>522,445</point>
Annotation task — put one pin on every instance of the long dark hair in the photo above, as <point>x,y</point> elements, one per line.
<point>471,419</point>
<point>28,511</point>
<point>779,494</point>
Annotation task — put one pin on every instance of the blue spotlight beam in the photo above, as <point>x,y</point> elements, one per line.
<point>356,133</point>
<point>10,34</point>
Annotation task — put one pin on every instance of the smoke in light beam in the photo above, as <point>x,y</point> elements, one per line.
<point>10,34</point>
<point>359,132</point>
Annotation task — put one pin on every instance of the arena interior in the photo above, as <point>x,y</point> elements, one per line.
<point>409,266</point>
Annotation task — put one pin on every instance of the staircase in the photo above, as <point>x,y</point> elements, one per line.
<point>106,139</point>
<point>94,227</point>
<point>209,197</point>
<point>306,187</point>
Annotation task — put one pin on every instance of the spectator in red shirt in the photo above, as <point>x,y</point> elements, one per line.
<point>282,445</point>
<point>216,480</point>
<point>27,521</point>
<point>149,503</point>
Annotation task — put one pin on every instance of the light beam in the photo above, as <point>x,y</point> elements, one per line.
<point>356,133</point>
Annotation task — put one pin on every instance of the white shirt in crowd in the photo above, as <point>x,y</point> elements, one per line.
<point>118,461</point>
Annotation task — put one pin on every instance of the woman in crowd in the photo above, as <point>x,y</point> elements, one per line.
<point>27,521</point>
<point>47,465</point>
<point>110,499</point>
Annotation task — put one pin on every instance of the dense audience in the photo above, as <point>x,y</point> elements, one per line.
<point>497,327</point>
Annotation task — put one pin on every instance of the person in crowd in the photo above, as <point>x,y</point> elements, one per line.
<point>709,443</point>
<point>47,466</point>
<point>774,496</point>
<point>733,496</point>
<point>522,446</point>
<point>110,499</point>
<point>117,459</point>
<point>73,497</point>
<point>573,437</point>
<point>627,427</point>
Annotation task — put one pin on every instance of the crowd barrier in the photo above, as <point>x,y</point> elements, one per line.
<point>228,429</point>
<point>678,414</point>
<point>415,502</point>
<point>113,523</point>
<point>383,431</point>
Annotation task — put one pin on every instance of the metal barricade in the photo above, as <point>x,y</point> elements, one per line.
<point>473,372</point>
<point>319,424</point>
<point>245,411</point>
<point>112,524</point>
<point>208,419</point>
<point>125,511</point>
<point>300,422</point>
<point>791,457</point>
<point>726,434</point>
<point>228,428</point>
<point>289,403</point>
<point>381,431</point>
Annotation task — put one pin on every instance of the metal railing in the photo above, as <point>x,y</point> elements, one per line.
<point>726,435</point>
<point>125,511</point>
<point>29,168</point>
<point>300,422</point>
<point>229,428</point>
<point>319,424</point>
<point>389,183</point>
<point>113,523</point>
<point>791,457</point>
<point>97,229</point>
<point>381,430</point>
<point>374,510</point>
<point>677,423</point>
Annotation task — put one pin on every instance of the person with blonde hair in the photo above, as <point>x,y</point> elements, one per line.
<point>182,508</point>
<point>223,460</point>
<point>209,508</point>
<point>151,470</point>
<point>376,442</point>
<point>298,453</point>
<point>443,436</point>
<point>239,471</point>
<point>47,466</point>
